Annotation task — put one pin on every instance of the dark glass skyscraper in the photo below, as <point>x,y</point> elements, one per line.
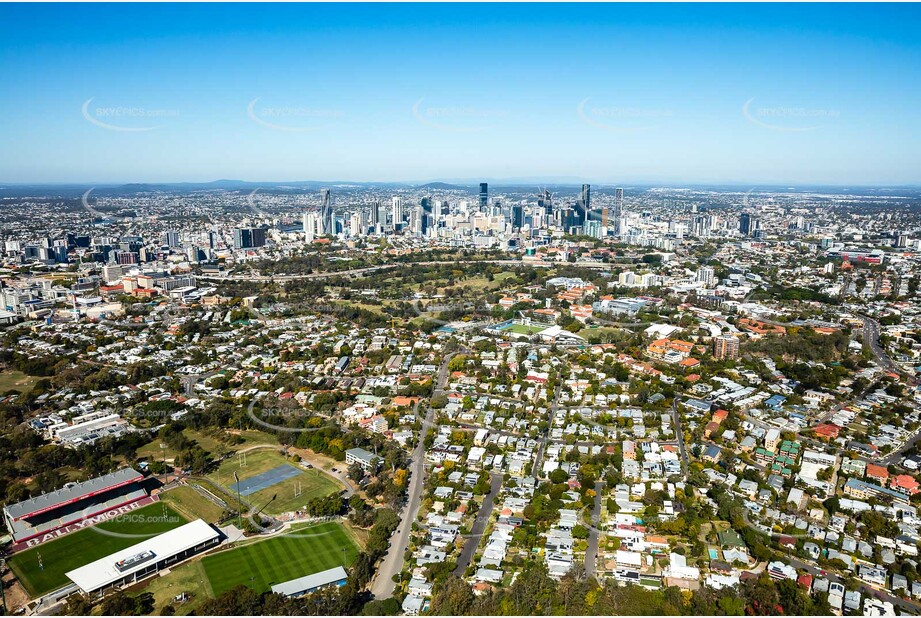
<point>326,213</point>
<point>545,201</point>
<point>749,224</point>
<point>517,216</point>
<point>484,195</point>
<point>618,212</point>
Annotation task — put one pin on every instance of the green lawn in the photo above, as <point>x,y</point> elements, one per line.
<point>16,380</point>
<point>521,329</point>
<point>189,578</point>
<point>84,546</point>
<point>300,552</point>
<point>311,483</point>
<point>211,442</point>
<point>192,504</point>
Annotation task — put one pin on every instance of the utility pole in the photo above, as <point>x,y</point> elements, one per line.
<point>239,502</point>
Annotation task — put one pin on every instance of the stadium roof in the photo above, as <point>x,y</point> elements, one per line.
<point>72,493</point>
<point>307,583</point>
<point>103,572</point>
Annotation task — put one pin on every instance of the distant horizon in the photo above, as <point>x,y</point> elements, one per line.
<point>471,183</point>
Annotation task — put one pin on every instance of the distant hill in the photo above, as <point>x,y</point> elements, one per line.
<point>443,186</point>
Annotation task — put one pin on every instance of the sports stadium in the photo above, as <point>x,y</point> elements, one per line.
<point>56,513</point>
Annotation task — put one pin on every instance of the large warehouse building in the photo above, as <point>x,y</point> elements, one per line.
<point>49,515</point>
<point>146,558</point>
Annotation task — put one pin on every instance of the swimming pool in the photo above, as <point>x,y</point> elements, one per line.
<point>713,554</point>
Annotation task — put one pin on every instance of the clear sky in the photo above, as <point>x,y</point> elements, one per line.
<point>607,93</point>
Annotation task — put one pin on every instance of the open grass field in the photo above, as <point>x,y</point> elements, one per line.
<point>311,483</point>
<point>211,443</point>
<point>191,504</point>
<point>16,380</point>
<point>189,578</point>
<point>261,564</point>
<point>84,546</point>
<point>521,329</point>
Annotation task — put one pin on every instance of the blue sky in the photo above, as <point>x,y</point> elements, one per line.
<point>607,93</point>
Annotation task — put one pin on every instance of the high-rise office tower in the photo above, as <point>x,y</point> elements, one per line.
<point>517,217</point>
<point>618,212</point>
<point>587,197</point>
<point>326,213</point>
<point>484,195</point>
<point>417,221</point>
<point>59,251</point>
<point>545,201</point>
<point>749,224</point>
<point>171,238</point>
<point>376,217</point>
<point>249,237</point>
<point>397,206</point>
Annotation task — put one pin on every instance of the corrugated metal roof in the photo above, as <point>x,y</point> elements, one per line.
<point>74,493</point>
<point>103,572</point>
<point>307,583</point>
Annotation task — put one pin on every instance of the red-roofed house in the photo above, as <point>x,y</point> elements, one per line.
<point>904,483</point>
<point>879,473</point>
<point>829,431</point>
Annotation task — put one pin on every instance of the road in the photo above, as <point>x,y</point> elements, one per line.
<point>392,563</point>
<point>870,334</point>
<point>479,525</point>
<point>542,447</point>
<point>594,534</point>
<point>679,437</point>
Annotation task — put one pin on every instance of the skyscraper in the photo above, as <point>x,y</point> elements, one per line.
<point>326,213</point>
<point>517,216</point>
<point>749,224</point>
<point>545,201</point>
<point>484,195</point>
<point>618,213</point>
<point>310,226</point>
<point>376,217</point>
<point>249,237</point>
<point>587,197</point>
<point>171,238</point>
<point>397,205</point>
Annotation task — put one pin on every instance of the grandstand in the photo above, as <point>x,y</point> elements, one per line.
<point>49,514</point>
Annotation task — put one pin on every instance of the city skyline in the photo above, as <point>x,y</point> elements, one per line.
<point>613,94</point>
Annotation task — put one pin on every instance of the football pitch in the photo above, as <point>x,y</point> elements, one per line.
<point>268,481</point>
<point>521,329</point>
<point>262,564</point>
<point>84,546</point>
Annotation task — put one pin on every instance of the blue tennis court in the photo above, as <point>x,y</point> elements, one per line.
<point>266,479</point>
